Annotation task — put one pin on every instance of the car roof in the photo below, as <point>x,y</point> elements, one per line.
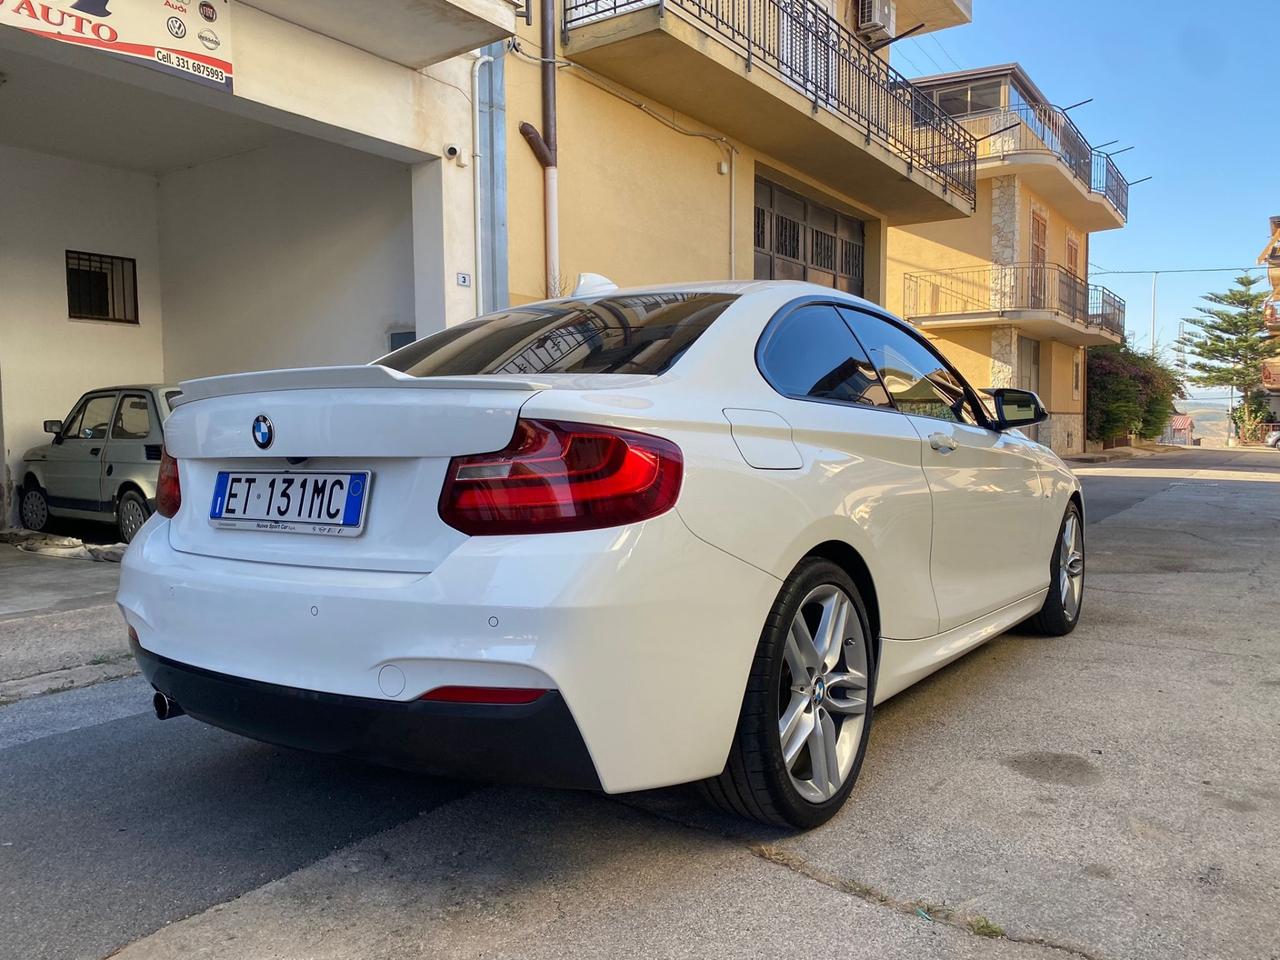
<point>740,288</point>
<point>134,386</point>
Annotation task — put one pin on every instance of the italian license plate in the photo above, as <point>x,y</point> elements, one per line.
<point>331,504</point>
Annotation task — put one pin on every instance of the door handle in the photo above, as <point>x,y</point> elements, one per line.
<point>94,451</point>
<point>942,442</point>
<point>110,468</point>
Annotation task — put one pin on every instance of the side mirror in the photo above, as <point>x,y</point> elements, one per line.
<point>53,426</point>
<point>1016,408</point>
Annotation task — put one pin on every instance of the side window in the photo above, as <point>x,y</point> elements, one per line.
<point>97,414</point>
<point>71,425</point>
<point>812,354</point>
<point>133,418</point>
<point>918,379</point>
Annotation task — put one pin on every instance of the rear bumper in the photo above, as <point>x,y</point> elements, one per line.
<point>536,743</point>
<point>645,634</point>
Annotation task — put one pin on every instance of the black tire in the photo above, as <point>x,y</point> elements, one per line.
<point>1054,618</point>
<point>33,508</point>
<point>755,782</point>
<point>129,507</point>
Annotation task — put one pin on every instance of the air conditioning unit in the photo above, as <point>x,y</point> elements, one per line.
<point>877,19</point>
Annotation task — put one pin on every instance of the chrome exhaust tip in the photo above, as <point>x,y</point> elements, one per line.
<point>165,708</point>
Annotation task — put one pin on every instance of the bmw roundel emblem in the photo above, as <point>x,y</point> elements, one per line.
<point>263,431</point>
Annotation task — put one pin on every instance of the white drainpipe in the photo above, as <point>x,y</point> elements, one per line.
<point>551,190</point>
<point>476,214</point>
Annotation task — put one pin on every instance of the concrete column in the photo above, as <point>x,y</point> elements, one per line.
<point>427,191</point>
<point>875,279</point>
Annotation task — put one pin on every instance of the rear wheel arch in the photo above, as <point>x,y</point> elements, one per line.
<point>131,510</point>
<point>844,556</point>
<point>128,487</point>
<point>759,779</point>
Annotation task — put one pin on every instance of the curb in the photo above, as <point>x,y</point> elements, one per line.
<point>56,681</point>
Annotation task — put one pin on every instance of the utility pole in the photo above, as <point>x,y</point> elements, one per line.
<point>1155,274</point>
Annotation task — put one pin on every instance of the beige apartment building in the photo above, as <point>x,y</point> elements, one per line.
<point>1005,293</point>
<point>702,140</point>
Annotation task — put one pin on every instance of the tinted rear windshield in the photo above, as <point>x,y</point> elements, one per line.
<point>633,334</point>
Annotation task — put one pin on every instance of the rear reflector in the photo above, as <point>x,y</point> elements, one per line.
<point>492,695</point>
<point>168,488</point>
<point>555,476</point>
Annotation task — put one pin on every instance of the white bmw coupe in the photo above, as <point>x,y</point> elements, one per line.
<point>617,541</point>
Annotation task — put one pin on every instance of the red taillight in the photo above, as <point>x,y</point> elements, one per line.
<point>168,489</point>
<point>556,476</point>
<point>486,695</point>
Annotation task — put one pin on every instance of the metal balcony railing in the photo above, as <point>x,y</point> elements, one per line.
<point>1017,286</point>
<point>1041,129</point>
<point>811,50</point>
<point>1106,310</point>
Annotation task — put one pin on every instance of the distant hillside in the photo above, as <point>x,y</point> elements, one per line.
<point>1210,419</point>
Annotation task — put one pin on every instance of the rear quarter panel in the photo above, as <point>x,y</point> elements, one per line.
<point>857,483</point>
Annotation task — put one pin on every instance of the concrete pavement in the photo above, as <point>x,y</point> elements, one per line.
<point>59,626</point>
<point>1113,794</point>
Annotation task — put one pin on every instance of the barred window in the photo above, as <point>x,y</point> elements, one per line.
<point>101,287</point>
<point>787,237</point>
<point>824,250</point>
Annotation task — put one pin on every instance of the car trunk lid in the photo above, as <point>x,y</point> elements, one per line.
<point>402,430</point>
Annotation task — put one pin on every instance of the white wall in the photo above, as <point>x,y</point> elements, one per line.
<point>296,254</point>
<point>49,205</point>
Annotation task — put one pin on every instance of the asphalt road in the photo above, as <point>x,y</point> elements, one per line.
<point>1113,795</point>
<point>114,824</point>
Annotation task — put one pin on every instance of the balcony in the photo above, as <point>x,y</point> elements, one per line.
<point>1044,146</point>
<point>934,14</point>
<point>1041,299</point>
<point>792,81</point>
<point>412,33</point>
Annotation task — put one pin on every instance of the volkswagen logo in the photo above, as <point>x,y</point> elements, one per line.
<point>263,431</point>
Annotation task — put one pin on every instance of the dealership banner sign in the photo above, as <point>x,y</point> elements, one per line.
<point>188,39</point>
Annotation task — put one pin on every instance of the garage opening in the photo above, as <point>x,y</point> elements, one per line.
<point>149,238</point>
<point>797,238</point>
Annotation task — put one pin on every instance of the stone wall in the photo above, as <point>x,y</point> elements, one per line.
<point>1004,220</point>
<point>1004,356</point>
<point>1064,433</point>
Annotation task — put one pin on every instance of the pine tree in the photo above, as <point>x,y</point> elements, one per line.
<point>1230,341</point>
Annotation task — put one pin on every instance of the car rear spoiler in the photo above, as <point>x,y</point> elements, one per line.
<point>362,376</point>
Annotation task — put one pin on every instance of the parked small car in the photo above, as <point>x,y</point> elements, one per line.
<point>1273,439</point>
<point>103,461</point>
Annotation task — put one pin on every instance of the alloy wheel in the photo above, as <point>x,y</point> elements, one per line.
<point>35,510</point>
<point>1071,565</point>
<point>823,693</point>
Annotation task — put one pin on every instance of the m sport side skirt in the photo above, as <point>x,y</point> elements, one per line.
<point>903,662</point>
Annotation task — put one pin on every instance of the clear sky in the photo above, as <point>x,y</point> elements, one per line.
<point>1188,84</point>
